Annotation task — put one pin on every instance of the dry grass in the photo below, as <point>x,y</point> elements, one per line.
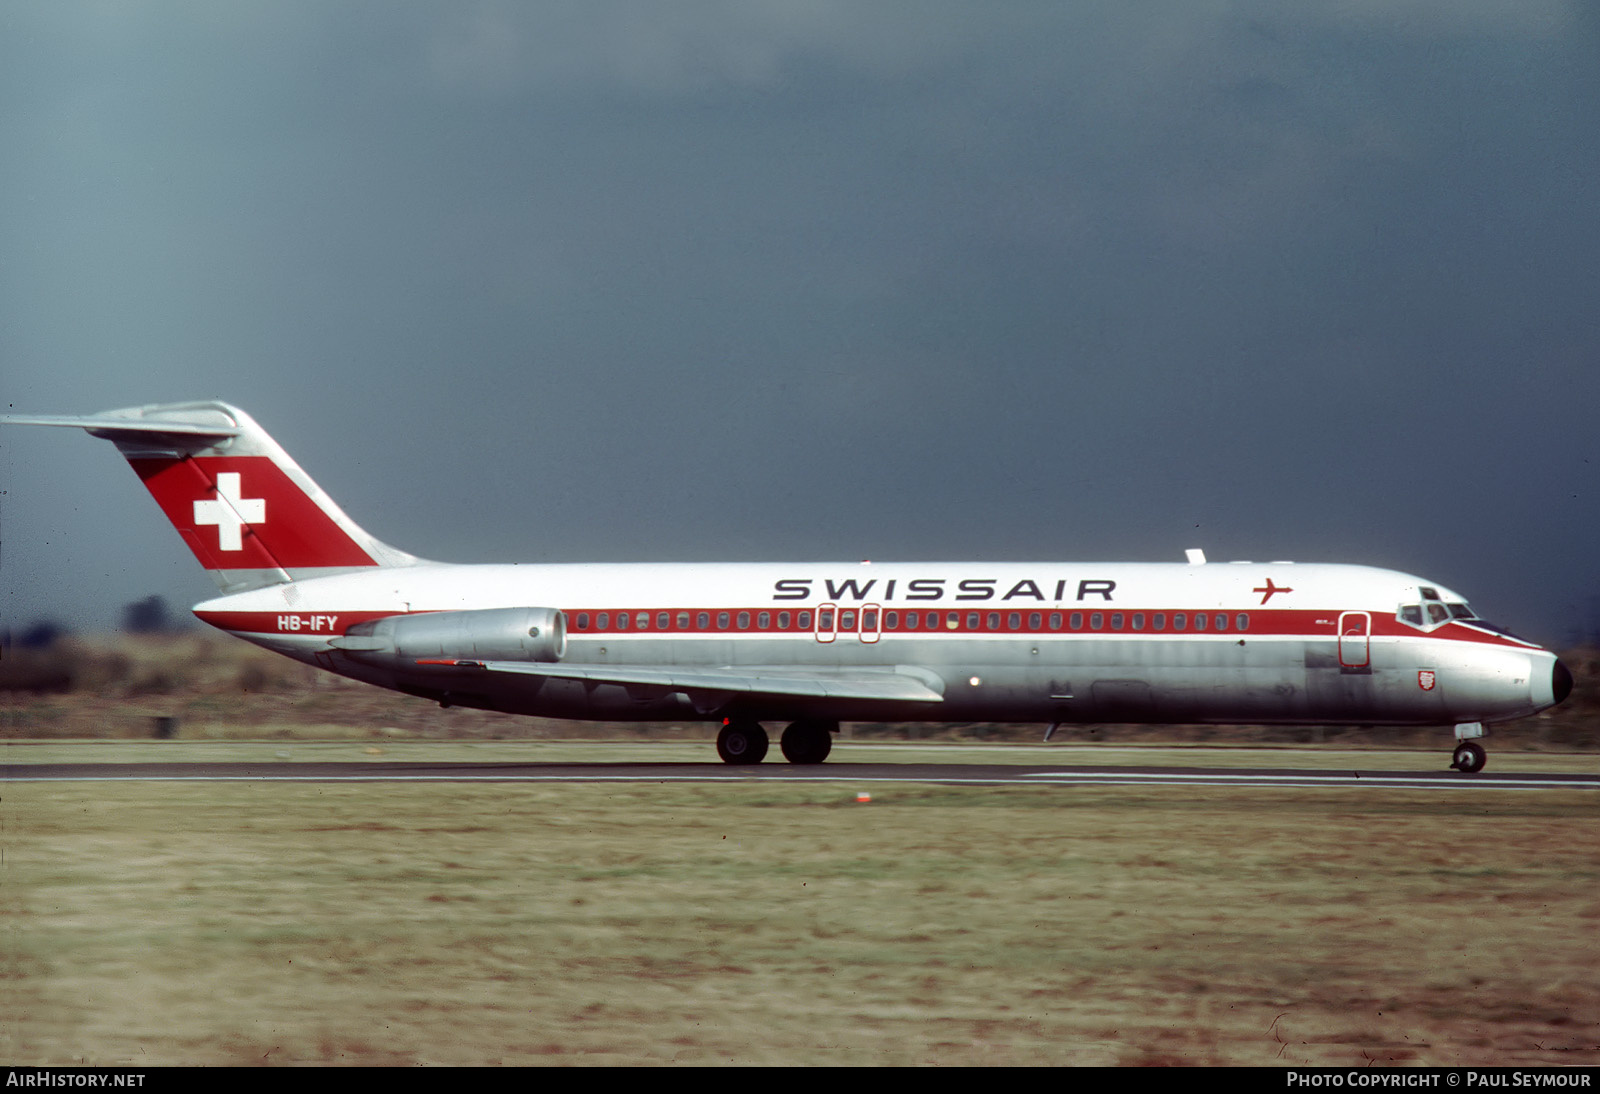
<point>768,924</point>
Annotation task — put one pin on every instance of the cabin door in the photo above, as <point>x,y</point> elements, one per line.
<point>1355,640</point>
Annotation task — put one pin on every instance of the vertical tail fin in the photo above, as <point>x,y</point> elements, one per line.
<point>245,508</point>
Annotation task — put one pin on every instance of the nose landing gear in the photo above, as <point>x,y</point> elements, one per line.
<point>1469,757</point>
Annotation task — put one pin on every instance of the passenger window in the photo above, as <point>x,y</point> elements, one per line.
<point>972,621</point>
<point>622,621</point>
<point>722,621</point>
<point>744,621</point>
<point>1033,620</point>
<point>683,621</point>
<point>869,619</point>
<point>783,621</point>
<point>703,620</point>
<point>994,621</point>
<point>1116,621</point>
<point>1199,621</point>
<point>1096,621</point>
<point>847,619</point>
<point>764,620</point>
<point>803,621</point>
<point>602,621</point>
<point>642,621</point>
<point>662,620</point>
<point>952,621</point>
<point>1242,621</point>
<point>1138,621</point>
<point>1158,622</point>
<point>1179,621</point>
<point>1013,621</point>
<point>583,621</point>
<point>1222,622</point>
<point>1076,621</point>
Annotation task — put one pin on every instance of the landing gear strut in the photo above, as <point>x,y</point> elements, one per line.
<point>742,742</point>
<point>1469,757</point>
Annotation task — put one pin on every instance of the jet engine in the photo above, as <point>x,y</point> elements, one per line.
<point>490,634</point>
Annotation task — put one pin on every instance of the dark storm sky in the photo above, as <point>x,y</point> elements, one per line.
<point>820,280</point>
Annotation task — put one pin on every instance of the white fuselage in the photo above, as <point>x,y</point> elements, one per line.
<point>1048,642</point>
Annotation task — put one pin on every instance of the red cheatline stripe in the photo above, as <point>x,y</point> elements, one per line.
<point>1287,623</point>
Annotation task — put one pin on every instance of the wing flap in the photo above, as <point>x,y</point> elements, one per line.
<point>899,683</point>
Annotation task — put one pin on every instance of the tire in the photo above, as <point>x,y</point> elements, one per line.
<point>1469,757</point>
<point>742,743</point>
<point>807,742</point>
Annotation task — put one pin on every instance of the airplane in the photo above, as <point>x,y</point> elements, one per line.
<point>814,644</point>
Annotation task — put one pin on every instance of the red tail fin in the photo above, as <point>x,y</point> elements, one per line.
<point>245,508</point>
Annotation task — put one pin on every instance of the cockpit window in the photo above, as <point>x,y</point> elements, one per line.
<point>1432,613</point>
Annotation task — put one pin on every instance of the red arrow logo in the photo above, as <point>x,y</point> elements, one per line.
<point>1269,590</point>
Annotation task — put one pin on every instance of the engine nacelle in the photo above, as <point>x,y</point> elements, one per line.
<point>489,634</point>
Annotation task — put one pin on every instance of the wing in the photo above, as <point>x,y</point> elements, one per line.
<point>899,682</point>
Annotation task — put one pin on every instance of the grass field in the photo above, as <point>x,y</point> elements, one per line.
<point>167,923</point>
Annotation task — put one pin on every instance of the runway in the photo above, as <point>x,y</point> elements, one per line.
<point>851,773</point>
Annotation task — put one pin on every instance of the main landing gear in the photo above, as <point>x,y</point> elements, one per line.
<point>805,742</point>
<point>1469,756</point>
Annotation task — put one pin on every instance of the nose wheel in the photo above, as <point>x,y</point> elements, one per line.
<point>1469,757</point>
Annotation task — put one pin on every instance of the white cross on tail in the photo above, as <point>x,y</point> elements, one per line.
<point>230,512</point>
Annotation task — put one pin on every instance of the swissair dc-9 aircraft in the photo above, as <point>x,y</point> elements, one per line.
<point>815,644</point>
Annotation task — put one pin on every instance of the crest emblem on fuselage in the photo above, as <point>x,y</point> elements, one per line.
<point>1426,679</point>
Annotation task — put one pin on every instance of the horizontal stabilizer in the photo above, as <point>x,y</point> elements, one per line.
<point>887,684</point>
<point>113,428</point>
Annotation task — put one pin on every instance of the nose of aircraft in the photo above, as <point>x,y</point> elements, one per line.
<point>1546,691</point>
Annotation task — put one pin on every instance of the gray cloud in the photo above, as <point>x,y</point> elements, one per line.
<point>565,281</point>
